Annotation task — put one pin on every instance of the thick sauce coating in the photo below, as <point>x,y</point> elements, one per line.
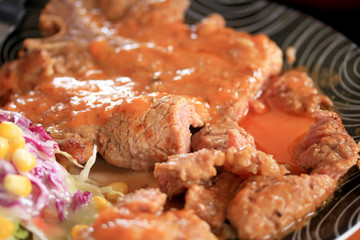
<point>216,65</point>
<point>141,66</point>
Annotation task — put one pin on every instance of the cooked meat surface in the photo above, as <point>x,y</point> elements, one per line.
<point>142,13</point>
<point>295,92</point>
<point>143,200</point>
<point>268,207</point>
<point>192,166</point>
<point>108,64</point>
<point>148,131</point>
<point>327,148</point>
<point>23,75</point>
<point>119,224</point>
<point>221,135</point>
<point>80,148</point>
<point>139,216</point>
<point>183,170</point>
<point>210,204</point>
<point>248,161</point>
<point>131,78</point>
<point>115,9</point>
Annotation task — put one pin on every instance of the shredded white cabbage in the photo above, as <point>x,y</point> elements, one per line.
<point>84,174</point>
<point>69,157</point>
<point>37,234</point>
<point>82,181</point>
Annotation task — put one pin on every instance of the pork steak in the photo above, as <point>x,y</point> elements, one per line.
<point>98,55</point>
<point>148,132</point>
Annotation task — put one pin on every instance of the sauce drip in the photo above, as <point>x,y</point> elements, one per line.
<point>277,133</point>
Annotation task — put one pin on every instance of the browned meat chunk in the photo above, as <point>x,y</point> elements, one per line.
<point>120,224</point>
<point>78,147</point>
<point>192,166</point>
<point>220,136</point>
<point>327,148</point>
<point>183,170</point>
<point>91,67</point>
<point>248,161</point>
<point>144,12</point>
<point>211,23</point>
<point>268,207</point>
<point>115,9</point>
<point>148,131</point>
<point>23,75</point>
<point>131,78</point>
<point>143,200</point>
<point>294,92</point>
<point>211,204</point>
<point>139,216</point>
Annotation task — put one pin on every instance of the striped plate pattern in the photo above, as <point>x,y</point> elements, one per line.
<point>10,47</point>
<point>331,59</point>
<point>334,64</point>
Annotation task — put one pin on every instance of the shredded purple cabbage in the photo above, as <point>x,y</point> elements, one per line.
<point>80,199</point>
<point>48,177</point>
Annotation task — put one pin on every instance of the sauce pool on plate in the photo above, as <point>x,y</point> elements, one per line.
<point>277,133</point>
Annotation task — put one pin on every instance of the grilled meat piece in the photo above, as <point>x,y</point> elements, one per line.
<point>210,204</point>
<point>139,216</point>
<point>248,161</point>
<point>147,131</point>
<point>143,200</point>
<point>119,224</point>
<point>295,92</point>
<point>221,135</point>
<point>183,170</point>
<point>92,66</point>
<point>267,207</point>
<point>327,148</point>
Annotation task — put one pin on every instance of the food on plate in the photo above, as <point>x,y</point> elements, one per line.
<point>140,215</point>
<point>39,199</point>
<point>269,206</point>
<point>131,71</point>
<point>35,194</point>
<point>238,148</point>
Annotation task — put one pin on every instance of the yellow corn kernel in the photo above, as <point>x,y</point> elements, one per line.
<point>15,144</point>
<point>6,229</point>
<point>17,184</point>
<point>23,160</point>
<point>76,230</point>
<point>118,187</point>
<point>10,130</point>
<point>100,203</point>
<point>4,147</point>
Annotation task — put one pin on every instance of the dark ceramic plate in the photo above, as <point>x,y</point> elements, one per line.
<point>334,64</point>
<point>331,59</point>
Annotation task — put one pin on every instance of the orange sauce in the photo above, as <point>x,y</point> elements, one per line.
<point>277,133</point>
<point>217,67</point>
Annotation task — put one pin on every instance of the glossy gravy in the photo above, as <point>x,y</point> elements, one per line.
<point>214,65</point>
<point>277,133</point>
<point>217,66</point>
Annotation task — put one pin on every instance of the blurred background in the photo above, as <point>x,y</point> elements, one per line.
<point>342,15</point>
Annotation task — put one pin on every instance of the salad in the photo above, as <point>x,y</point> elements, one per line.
<point>39,199</point>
